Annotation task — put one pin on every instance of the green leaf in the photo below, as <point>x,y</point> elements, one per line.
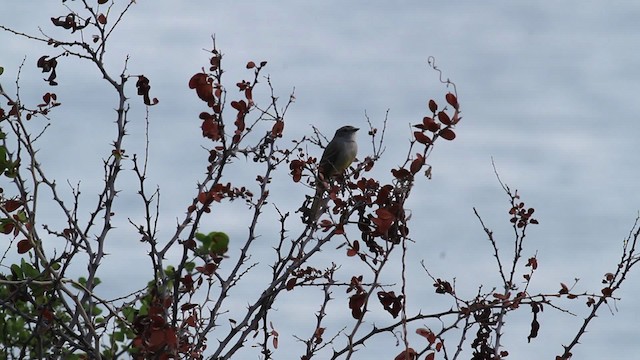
<point>220,243</point>
<point>189,266</point>
<point>17,271</point>
<point>118,336</point>
<point>29,270</point>
<point>22,216</point>
<point>1,70</point>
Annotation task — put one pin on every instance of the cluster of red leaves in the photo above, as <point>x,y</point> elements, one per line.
<point>157,339</point>
<point>438,124</point>
<point>391,302</point>
<point>209,89</point>
<point>219,192</point>
<point>48,65</point>
<point>11,224</point>
<point>49,101</point>
<point>154,336</point>
<point>307,275</point>
<point>70,22</point>
<point>387,221</point>
<point>521,216</point>
<point>443,287</point>
<point>358,300</point>
<point>433,340</point>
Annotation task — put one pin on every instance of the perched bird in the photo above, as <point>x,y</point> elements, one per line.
<point>336,158</point>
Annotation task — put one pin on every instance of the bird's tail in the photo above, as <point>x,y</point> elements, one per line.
<point>318,203</point>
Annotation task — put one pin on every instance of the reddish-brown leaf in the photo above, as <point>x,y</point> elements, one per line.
<point>430,124</point>
<point>421,137</point>
<point>353,250</point>
<point>290,284</point>
<point>427,334</point>
<point>251,65</point>
<point>416,165</point>
<point>609,276</point>
<point>356,302</point>
<point>452,100</point>
<point>433,106</point>
<point>401,173</point>
<point>241,105</point>
<point>447,134</point>
<point>563,289</point>
<point>102,19</point>
<point>278,127</point>
<point>24,245</point>
<point>444,118</point>
<point>12,205</point>
<point>408,354</point>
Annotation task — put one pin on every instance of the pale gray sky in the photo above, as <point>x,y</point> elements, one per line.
<point>547,89</point>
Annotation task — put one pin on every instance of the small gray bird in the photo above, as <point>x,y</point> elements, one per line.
<point>336,158</point>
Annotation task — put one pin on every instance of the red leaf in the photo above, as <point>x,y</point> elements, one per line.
<point>427,334</point>
<point>564,289</point>
<point>433,106</point>
<point>417,164</point>
<point>408,354</point>
<point>290,284</point>
<point>401,173</point>
<point>24,246</point>
<point>353,250</point>
<point>204,197</point>
<point>251,65</point>
<point>447,134</point>
<point>421,137</point>
<point>102,19</point>
<point>430,124</point>
<point>278,127</point>
<point>12,205</point>
<point>170,337</point>
<point>444,118</point>
<point>452,100</point>
<point>241,105</point>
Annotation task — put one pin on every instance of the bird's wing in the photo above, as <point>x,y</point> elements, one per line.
<point>328,161</point>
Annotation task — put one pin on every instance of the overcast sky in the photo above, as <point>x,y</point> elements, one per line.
<point>548,89</point>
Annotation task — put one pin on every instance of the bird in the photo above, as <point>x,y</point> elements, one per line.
<point>336,158</point>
